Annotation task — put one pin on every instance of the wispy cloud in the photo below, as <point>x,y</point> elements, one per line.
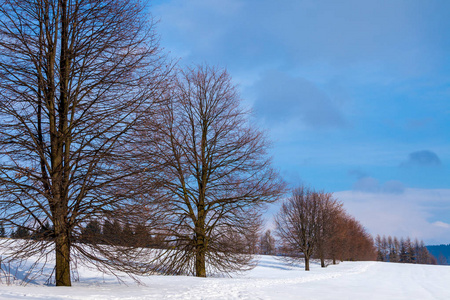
<point>441,224</point>
<point>368,184</point>
<point>357,173</point>
<point>393,187</point>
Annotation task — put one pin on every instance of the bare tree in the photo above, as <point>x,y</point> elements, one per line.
<point>337,240</point>
<point>328,226</point>
<point>267,244</point>
<point>75,77</point>
<point>297,224</point>
<point>355,243</point>
<point>442,260</point>
<point>311,223</point>
<point>217,175</point>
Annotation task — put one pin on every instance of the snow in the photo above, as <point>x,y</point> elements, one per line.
<point>271,279</point>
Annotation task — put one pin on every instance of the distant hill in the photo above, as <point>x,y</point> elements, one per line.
<point>441,252</point>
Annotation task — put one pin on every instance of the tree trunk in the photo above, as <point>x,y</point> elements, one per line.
<point>334,260</point>
<point>200,261</point>
<point>306,263</point>
<point>322,257</point>
<point>62,272</point>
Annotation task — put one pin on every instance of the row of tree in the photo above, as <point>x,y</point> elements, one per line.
<point>95,232</point>
<point>313,224</point>
<point>403,251</point>
<point>44,232</point>
<point>112,233</point>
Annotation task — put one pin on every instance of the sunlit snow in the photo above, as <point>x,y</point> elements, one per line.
<point>271,279</point>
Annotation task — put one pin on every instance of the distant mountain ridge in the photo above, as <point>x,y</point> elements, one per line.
<point>441,252</point>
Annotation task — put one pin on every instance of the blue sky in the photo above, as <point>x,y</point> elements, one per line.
<point>355,96</point>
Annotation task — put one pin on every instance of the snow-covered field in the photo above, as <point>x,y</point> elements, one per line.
<point>271,279</point>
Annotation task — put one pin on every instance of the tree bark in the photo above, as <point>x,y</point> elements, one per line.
<point>306,263</point>
<point>321,254</point>
<point>200,261</point>
<point>201,245</point>
<point>62,245</point>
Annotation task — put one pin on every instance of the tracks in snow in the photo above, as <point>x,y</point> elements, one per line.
<point>251,288</point>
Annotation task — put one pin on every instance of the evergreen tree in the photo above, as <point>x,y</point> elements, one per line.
<point>403,251</point>
<point>390,248</point>
<point>418,252</point>
<point>45,232</point>
<point>21,233</point>
<point>379,246</point>
<point>2,231</point>
<point>142,237</point>
<point>410,255</point>
<point>395,250</point>
<point>112,232</point>
<point>92,232</point>
<point>127,236</point>
<point>384,247</point>
<point>403,255</point>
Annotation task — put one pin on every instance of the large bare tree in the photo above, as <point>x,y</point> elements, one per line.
<point>217,175</point>
<point>75,77</point>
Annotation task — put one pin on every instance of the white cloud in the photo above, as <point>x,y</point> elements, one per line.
<point>417,213</point>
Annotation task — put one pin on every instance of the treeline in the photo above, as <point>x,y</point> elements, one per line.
<point>113,233</point>
<point>96,232</point>
<point>42,232</point>
<point>392,249</point>
<point>313,224</point>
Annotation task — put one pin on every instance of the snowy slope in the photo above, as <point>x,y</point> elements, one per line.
<point>271,279</point>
